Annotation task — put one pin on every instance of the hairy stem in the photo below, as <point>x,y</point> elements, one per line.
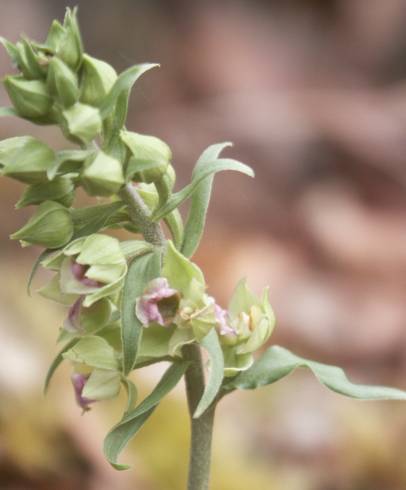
<point>141,216</point>
<point>202,427</point>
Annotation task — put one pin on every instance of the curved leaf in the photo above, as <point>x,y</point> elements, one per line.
<point>123,83</point>
<point>200,173</point>
<point>277,362</point>
<point>57,361</point>
<point>212,345</point>
<point>133,420</point>
<point>140,272</point>
<point>200,202</point>
<point>175,225</point>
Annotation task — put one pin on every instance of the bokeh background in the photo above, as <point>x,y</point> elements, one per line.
<point>313,94</point>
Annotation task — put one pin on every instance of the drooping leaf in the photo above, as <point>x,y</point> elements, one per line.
<point>140,272</point>
<point>277,362</point>
<point>212,345</point>
<point>57,361</point>
<point>132,394</point>
<point>133,420</point>
<point>199,174</point>
<point>91,219</point>
<point>200,202</point>
<point>123,83</point>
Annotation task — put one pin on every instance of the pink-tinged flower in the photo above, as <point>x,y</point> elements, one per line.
<point>72,322</point>
<point>222,321</point>
<point>78,382</point>
<point>158,304</point>
<point>79,273</point>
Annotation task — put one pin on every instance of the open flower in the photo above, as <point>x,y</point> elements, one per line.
<point>79,381</point>
<point>158,304</point>
<point>252,321</point>
<point>93,267</point>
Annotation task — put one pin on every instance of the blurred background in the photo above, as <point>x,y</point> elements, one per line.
<point>313,94</point>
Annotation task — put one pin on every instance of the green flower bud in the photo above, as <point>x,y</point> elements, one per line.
<point>31,63</point>
<point>97,79</point>
<point>29,97</point>
<point>102,175</point>
<point>69,46</point>
<point>81,123</point>
<point>26,159</point>
<point>61,190</point>
<point>51,227</point>
<point>55,36</point>
<point>62,82</point>
<point>150,156</point>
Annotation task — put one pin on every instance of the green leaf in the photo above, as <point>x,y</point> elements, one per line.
<point>133,420</point>
<point>57,361</point>
<point>277,362</point>
<point>132,394</point>
<point>196,219</point>
<point>135,248</point>
<point>140,272</point>
<point>43,255</point>
<point>212,345</point>
<point>67,161</point>
<point>91,219</point>
<point>199,174</point>
<point>123,83</point>
<point>175,224</point>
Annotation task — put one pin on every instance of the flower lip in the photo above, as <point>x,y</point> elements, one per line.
<point>78,382</point>
<point>79,273</point>
<point>72,322</point>
<point>158,304</point>
<point>222,321</point>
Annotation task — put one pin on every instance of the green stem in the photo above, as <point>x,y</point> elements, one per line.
<point>141,216</point>
<point>202,427</point>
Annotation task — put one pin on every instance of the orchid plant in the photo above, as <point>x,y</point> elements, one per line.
<point>136,302</point>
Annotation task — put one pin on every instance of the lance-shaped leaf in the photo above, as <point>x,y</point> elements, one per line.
<point>199,174</point>
<point>212,345</point>
<point>277,362</point>
<point>133,420</point>
<point>200,202</point>
<point>42,256</point>
<point>123,83</point>
<point>140,272</point>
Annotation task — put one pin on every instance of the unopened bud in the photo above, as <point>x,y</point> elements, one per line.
<point>26,159</point>
<point>62,82</point>
<point>50,227</point>
<point>102,175</point>
<point>70,48</point>
<point>61,190</point>
<point>55,36</point>
<point>29,97</point>
<point>81,123</point>
<point>97,79</point>
<point>150,156</point>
